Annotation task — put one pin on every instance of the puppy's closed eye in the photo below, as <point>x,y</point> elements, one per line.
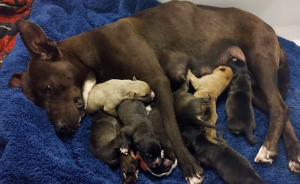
<point>223,69</point>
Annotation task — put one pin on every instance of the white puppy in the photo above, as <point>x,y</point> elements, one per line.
<point>110,94</point>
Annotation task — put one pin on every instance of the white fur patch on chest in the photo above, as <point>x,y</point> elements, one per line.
<point>87,87</point>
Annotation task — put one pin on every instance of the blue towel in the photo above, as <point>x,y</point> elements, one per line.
<point>31,152</point>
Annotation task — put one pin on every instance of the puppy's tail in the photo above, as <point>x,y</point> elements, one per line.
<point>199,122</point>
<point>250,137</point>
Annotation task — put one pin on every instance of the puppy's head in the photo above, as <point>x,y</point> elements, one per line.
<point>140,90</point>
<point>238,67</point>
<point>225,72</point>
<point>149,149</point>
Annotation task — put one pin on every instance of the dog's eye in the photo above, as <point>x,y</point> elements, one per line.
<point>48,88</point>
<point>79,102</point>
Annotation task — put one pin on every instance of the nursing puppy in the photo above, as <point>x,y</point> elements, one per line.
<point>169,162</point>
<point>240,115</point>
<point>103,142</point>
<point>231,166</point>
<point>189,109</point>
<point>137,129</point>
<point>213,85</point>
<point>108,95</point>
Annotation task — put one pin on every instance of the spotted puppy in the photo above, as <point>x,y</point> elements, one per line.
<point>213,85</point>
<point>240,115</point>
<point>231,166</point>
<point>137,132</point>
<point>108,95</point>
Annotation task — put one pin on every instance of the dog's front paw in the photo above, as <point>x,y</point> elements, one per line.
<point>293,153</point>
<point>265,156</point>
<point>191,170</point>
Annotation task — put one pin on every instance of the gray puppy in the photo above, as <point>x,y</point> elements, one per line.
<point>240,115</point>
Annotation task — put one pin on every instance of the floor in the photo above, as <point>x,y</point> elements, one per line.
<point>289,32</point>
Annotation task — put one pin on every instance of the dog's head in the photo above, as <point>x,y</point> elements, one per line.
<point>53,79</point>
<point>140,90</point>
<point>149,149</point>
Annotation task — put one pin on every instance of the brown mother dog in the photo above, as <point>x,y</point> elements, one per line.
<point>157,46</point>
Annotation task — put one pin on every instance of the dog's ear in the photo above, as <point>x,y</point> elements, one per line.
<point>133,78</point>
<point>16,80</point>
<point>36,40</point>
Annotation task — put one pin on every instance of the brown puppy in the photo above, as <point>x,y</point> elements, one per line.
<point>110,94</point>
<point>240,115</point>
<point>129,169</point>
<point>213,85</point>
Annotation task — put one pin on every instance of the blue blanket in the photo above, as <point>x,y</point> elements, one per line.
<point>31,152</point>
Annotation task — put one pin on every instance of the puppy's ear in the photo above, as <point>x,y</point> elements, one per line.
<point>16,80</point>
<point>36,40</point>
<point>132,94</point>
<point>133,78</point>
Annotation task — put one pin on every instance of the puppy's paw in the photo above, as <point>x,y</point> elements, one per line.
<point>130,177</point>
<point>124,151</point>
<point>293,153</point>
<point>265,156</point>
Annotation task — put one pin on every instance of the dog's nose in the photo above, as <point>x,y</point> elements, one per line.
<point>61,126</point>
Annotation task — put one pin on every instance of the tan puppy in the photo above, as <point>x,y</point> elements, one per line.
<point>110,94</point>
<point>213,84</point>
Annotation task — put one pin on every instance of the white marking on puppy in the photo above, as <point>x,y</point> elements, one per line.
<point>124,151</point>
<point>87,87</point>
<point>194,180</point>
<point>167,173</point>
<point>263,156</point>
<point>148,109</point>
<point>136,174</point>
<point>162,154</point>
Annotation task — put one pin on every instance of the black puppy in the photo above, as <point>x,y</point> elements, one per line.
<point>169,162</point>
<point>103,142</point>
<point>231,166</point>
<point>189,109</point>
<point>240,115</point>
<point>138,129</point>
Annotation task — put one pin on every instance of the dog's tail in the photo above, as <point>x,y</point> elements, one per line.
<point>250,136</point>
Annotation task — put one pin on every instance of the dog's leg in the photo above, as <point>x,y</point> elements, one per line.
<point>279,111</point>
<point>291,142</point>
<point>164,100</point>
<point>292,147</point>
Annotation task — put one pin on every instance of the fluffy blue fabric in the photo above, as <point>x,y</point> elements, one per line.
<point>30,151</point>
